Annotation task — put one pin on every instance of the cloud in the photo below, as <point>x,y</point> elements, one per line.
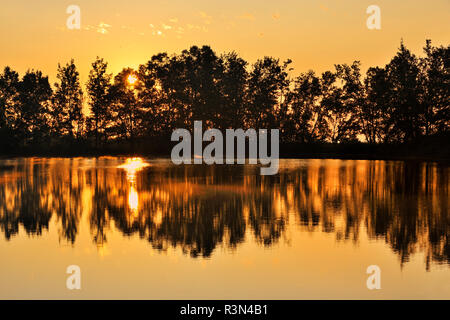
<point>192,27</point>
<point>100,28</point>
<point>104,25</point>
<point>127,28</point>
<point>247,16</point>
<point>166,27</point>
<point>206,18</point>
<point>103,28</point>
<point>323,7</point>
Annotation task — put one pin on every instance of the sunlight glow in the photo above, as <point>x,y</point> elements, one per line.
<point>133,200</point>
<point>132,166</point>
<point>131,79</point>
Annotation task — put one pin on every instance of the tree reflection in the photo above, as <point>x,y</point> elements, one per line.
<point>198,208</point>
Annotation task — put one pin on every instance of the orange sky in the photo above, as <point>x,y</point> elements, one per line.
<point>314,34</point>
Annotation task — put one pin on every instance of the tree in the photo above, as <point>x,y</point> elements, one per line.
<point>68,101</point>
<point>351,100</point>
<point>156,118</point>
<point>435,81</point>
<point>173,96</point>
<point>403,116</point>
<point>125,108</point>
<point>98,87</point>
<point>185,87</point>
<point>202,71</point>
<point>33,109</point>
<point>306,122</point>
<point>9,84</point>
<point>232,87</point>
<point>267,85</point>
<point>374,109</point>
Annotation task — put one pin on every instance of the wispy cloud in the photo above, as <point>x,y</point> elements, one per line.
<point>207,19</point>
<point>193,27</point>
<point>163,29</point>
<point>247,16</point>
<point>180,30</point>
<point>323,7</point>
<point>102,28</point>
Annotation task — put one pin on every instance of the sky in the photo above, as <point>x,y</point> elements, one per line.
<point>314,34</point>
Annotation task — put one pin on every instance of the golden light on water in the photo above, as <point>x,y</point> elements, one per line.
<point>132,166</point>
<point>91,212</point>
<point>133,200</point>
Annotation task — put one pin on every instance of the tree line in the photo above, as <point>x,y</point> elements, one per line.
<point>398,103</point>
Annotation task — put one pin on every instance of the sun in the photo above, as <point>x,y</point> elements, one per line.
<point>131,79</point>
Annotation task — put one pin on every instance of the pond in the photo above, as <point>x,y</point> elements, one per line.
<point>143,228</point>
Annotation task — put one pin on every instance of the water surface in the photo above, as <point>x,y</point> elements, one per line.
<point>146,229</point>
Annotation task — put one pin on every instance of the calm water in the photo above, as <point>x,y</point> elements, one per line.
<point>148,229</point>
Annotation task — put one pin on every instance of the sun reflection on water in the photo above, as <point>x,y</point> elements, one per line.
<point>133,199</point>
<point>131,167</point>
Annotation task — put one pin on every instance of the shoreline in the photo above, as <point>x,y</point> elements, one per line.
<point>409,158</point>
<point>426,149</point>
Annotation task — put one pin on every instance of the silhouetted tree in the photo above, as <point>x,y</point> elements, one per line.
<point>267,84</point>
<point>67,102</point>
<point>156,117</point>
<point>32,110</point>
<point>307,121</point>
<point>339,101</point>
<point>232,86</point>
<point>373,110</point>
<point>402,118</point>
<point>347,122</point>
<point>9,84</point>
<point>125,108</point>
<point>435,83</point>
<point>98,87</point>
<point>203,70</point>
